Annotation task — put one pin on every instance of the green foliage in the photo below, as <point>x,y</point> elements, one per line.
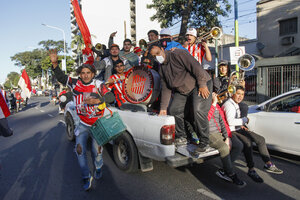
<point>192,13</point>
<point>12,80</point>
<point>51,44</point>
<point>37,60</point>
<point>79,44</point>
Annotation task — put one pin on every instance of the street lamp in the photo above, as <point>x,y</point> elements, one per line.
<point>64,66</point>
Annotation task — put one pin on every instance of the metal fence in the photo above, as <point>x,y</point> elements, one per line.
<point>250,86</point>
<point>282,79</point>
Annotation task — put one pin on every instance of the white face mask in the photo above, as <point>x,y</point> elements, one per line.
<point>160,59</point>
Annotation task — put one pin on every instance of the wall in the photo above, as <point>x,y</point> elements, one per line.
<point>269,13</point>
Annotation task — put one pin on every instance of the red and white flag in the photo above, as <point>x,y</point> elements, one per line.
<point>4,110</point>
<point>25,85</point>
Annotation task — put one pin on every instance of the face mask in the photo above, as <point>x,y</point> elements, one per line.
<point>160,59</point>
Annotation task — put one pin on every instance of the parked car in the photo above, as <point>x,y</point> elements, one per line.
<point>278,120</point>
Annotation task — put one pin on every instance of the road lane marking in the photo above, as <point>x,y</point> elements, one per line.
<point>36,107</point>
<point>209,194</point>
<point>50,115</point>
<point>42,110</point>
<point>62,121</point>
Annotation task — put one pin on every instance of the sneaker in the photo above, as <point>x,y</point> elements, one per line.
<point>195,139</point>
<point>237,181</point>
<point>87,183</point>
<point>98,174</point>
<point>255,176</point>
<point>180,141</point>
<point>202,148</point>
<point>220,173</point>
<point>272,169</point>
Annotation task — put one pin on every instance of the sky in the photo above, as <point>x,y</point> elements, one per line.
<point>22,30</point>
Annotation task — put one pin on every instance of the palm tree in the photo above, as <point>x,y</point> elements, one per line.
<point>79,44</point>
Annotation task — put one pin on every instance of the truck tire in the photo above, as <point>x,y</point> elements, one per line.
<point>125,153</point>
<point>70,127</point>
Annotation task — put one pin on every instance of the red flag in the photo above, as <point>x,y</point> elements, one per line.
<point>4,110</point>
<point>84,32</point>
<point>24,83</point>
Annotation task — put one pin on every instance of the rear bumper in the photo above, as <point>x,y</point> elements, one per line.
<point>180,160</point>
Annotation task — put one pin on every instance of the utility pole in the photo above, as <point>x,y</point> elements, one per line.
<point>216,57</point>
<point>236,32</point>
<point>125,36</point>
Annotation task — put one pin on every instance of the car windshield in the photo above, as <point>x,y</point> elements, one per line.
<point>285,104</point>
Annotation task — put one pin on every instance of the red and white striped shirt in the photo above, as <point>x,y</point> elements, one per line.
<point>117,89</point>
<point>197,51</point>
<point>88,114</point>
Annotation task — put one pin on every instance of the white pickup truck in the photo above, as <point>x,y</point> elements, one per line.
<point>148,137</point>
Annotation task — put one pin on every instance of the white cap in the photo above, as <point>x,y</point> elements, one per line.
<point>165,31</point>
<point>191,31</point>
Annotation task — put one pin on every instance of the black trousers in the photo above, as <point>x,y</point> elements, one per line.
<point>247,137</point>
<point>5,131</point>
<point>200,106</point>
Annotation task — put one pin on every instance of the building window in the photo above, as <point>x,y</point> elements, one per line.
<point>288,26</point>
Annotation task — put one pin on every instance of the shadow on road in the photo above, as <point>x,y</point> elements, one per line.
<point>205,173</point>
<point>44,104</point>
<point>105,188</point>
<point>26,166</point>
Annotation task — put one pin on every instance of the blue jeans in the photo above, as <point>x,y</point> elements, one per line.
<point>81,148</point>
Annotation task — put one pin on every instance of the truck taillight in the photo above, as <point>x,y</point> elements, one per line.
<point>167,134</point>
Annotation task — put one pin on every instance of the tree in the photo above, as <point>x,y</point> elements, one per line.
<point>12,80</point>
<point>193,13</point>
<point>30,59</point>
<point>51,44</point>
<point>37,60</point>
<point>79,44</point>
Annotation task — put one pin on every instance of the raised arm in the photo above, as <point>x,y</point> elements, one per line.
<point>111,39</point>
<point>60,76</point>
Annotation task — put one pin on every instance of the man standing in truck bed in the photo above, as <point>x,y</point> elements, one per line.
<point>183,75</point>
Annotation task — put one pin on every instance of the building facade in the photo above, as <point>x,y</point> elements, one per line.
<point>105,17</point>
<point>278,28</point>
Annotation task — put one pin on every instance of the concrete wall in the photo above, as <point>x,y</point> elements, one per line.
<point>269,13</point>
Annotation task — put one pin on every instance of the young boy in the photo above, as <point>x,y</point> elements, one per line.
<point>237,126</point>
<point>115,82</point>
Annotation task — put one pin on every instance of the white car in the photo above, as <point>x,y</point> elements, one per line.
<point>278,120</point>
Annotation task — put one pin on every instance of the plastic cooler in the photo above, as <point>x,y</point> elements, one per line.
<point>107,128</point>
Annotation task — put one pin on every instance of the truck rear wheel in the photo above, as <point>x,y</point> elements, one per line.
<point>125,153</point>
<point>70,127</point>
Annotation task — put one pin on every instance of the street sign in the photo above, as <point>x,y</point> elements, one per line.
<point>235,53</point>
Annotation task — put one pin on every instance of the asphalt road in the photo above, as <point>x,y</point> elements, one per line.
<point>38,162</point>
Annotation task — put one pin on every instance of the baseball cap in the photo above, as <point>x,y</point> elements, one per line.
<point>223,62</point>
<point>191,31</point>
<point>165,31</point>
<point>114,45</point>
<point>137,49</point>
